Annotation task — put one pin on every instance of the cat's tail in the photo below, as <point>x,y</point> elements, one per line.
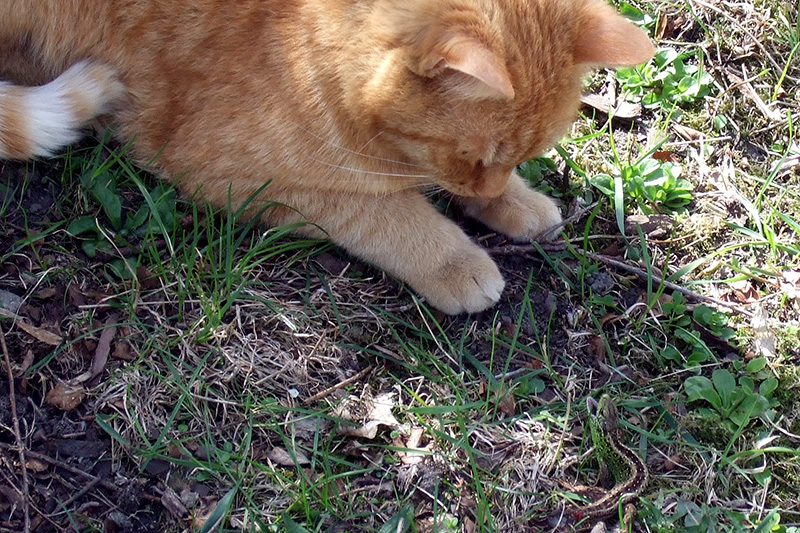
<point>38,121</point>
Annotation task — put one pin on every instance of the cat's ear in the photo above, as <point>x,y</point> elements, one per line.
<point>607,39</point>
<point>486,73</point>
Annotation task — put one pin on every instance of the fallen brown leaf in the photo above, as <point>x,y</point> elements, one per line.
<point>65,396</point>
<point>27,362</point>
<point>671,463</point>
<point>597,348</point>
<point>122,351</point>
<point>47,292</point>
<point>280,456</point>
<point>505,401</point>
<point>40,334</point>
<point>104,347</point>
<point>687,133</point>
<point>665,156</point>
<point>36,465</point>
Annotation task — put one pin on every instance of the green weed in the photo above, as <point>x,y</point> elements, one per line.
<point>734,404</point>
<point>648,185</point>
<point>666,81</point>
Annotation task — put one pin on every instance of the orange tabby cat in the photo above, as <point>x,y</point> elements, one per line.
<point>353,108</point>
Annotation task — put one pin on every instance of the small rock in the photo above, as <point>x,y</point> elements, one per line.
<point>10,301</point>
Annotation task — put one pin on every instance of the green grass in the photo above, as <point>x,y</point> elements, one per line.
<point>225,328</point>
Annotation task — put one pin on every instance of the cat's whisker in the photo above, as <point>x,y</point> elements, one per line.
<point>345,150</point>
<point>373,172</point>
<point>372,139</point>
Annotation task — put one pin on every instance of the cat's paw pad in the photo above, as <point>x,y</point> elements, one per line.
<point>469,283</point>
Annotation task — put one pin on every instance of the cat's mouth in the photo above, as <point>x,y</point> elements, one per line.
<point>491,187</point>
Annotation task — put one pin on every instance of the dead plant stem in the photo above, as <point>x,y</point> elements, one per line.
<point>12,397</point>
<point>525,249</point>
<point>341,384</point>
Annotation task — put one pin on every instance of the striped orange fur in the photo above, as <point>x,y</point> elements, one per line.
<point>352,108</point>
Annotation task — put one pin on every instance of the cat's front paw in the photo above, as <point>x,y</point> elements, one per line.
<point>520,212</point>
<point>468,283</point>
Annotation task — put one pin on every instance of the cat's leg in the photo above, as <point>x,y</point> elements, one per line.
<point>520,212</point>
<point>403,234</point>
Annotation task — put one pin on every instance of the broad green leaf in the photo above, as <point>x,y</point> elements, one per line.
<point>756,365</point>
<point>700,387</point>
<point>767,387</point>
<point>82,225</point>
<point>724,382</point>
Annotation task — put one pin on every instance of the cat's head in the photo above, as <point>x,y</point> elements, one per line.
<point>468,89</point>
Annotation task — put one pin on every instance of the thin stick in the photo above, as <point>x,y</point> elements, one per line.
<point>579,214</point>
<point>341,384</point>
<point>86,488</point>
<point>12,396</point>
<point>525,249</point>
<point>668,284</point>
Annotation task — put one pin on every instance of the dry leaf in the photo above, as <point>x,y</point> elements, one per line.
<point>47,292</point>
<point>104,347</point>
<point>65,396</point>
<point>764,341</point>
<point>280,456</point>
<point>173,503</point>
<point>122,351</point>
<point>35,465</point>
<point>664,27</point>
<point>40,334</point>
<point>616,108</point>
<point>469,525</point>
<point>597,348</point>
<point>75,296</point>
<point>506,402</point>
<point>370,413</point>
<point>27,362</point>
<point>147,279</point>
<point>688,134</point>
<point>609,318</point>
<point>665,156</point>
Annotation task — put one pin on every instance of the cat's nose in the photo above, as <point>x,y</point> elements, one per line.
<point>491,183</point>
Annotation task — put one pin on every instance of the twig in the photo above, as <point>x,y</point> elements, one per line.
<point>668,284</point>
<point>86,488</point>
<point>12,397</point>
<point>516,249</point>
<point>341,384</point>
<point>526,249</point>
<point>568,220</point>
